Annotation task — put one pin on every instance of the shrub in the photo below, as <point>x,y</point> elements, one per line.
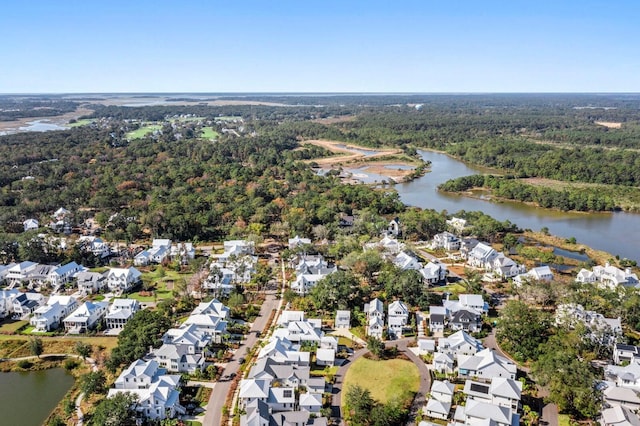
<point>25,364</point>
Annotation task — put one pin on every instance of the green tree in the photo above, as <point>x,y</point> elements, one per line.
<point>375,346</point>
<point>521,329</point>
<point>35,346</point>
<point>93,382</point>
<point>359,404</point>
<point>115,411</point>
<point>83,349</point>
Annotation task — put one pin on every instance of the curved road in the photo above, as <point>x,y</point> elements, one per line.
<point>403,346</point>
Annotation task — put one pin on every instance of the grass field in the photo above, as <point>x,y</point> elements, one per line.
<point>18,345</point>
<point>143,131</point>
<point>82,122</point>
<point>386,380</point>
<point>9,326</point>
<point>162,282</point>
<point>209,133</point>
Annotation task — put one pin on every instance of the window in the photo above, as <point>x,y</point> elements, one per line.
<point>287,393</point>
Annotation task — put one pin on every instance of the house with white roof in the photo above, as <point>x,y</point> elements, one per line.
<point>159,251</point>
<point>610,277</point>
<point>476,412</point>
<point>253,390</point>
<point>447,241</point>
<point>213,307</point>
<point>184,251</point>
<point>397,318</point>
<point>121,280</point>
<point>443,362</point>
<point>481,256</point>
<point>618,396</point>
<point>459,344</point>
<point>209,324</point>
<point>178,358</point>
<point>387,244</point>
<point>157,396</point>
<point>51,315</point>
<point>624,376</point>
<point>619,416</point>
<point>120,312</point>
<point>586,276</point>
<point>486,365</point>
<point>439,404</point>
<point>434,273</point>
<point>311,402</point>
<point>504,267</point>
<point>474,301</point>
<point>406,261</point>
<point>30,224</point>
<point>91,282</point>
<point>86,317</point>
<point>20,272</point>
<point>540,273</point>
<point>343,319</point>
<point>375,318</point>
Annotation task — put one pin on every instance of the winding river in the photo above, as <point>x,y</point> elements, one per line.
<point>617,233</point>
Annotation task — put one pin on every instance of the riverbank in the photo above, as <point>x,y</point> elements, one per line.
<point>363,162</point>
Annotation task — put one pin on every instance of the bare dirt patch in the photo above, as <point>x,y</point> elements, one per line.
<point>351,155</point>
<point>609,124</point>
<point>335,120</point>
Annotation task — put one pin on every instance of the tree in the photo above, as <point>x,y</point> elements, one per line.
<point>339,290</point>
<point>359,404</point>
<point>521,329</point>
<point>115,411</point>
<point>93,382</point>
<point>375,346</point>
<point>35,346</point>
<point>83,349</point>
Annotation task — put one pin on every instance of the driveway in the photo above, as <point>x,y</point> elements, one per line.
<point>218,397</point>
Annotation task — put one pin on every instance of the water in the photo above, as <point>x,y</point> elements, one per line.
<point>617,233</point>
<point>40,126</point>
<point>28,398</point>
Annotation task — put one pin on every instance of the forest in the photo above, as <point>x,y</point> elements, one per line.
<point>176,184</point>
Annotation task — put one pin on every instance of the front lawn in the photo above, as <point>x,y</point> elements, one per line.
<point>11,326</point>
<point>387,380</point>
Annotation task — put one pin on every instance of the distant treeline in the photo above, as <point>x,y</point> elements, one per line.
<point>578,199</point>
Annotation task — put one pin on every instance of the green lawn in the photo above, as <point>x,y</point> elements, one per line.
<point>10,326</point>
<point>209,133</point>
<point>386,380</point>
<point>143,131</point>
<point>454,288</point>
<point>564,420</point>
<point>82,122</point>
<point>162,281</point>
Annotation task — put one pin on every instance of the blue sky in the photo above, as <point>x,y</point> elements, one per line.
<point>319,46</point>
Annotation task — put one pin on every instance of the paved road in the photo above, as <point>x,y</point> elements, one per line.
<point>337,386</point>
<point>221,389</point>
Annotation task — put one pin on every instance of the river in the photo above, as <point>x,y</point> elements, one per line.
<point>617,233</point>
<point>28,398</point>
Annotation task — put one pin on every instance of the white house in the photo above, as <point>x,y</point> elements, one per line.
<point>156,392</point>
<point>625,353</point>
<point>486,365</point>
<point>343,319</point>
<point>20,272</point>
<point>447,241</point>
<point>434,273</point>
<point>121,280</point>
<point>65,273</point>
<point>624,376</point>
<point>95,245</point>
<point>120,312</point>
<point>439,405</point>
<point>501,391</point>
<point>438,316</point>
<point>540,273</point>
<point>406,261</point>
<point>619,416</point>
<point>611,277</point>
<point>397,318</point>
<point>90,282</point>
<point>30,224</point>
<point>474,301</point>
<point>481,256</point>
<point>618,396</point>
<point>476,412</point>
<point>86,317</point>
<point>443,362</point>
<point>50,316</point>
<point>375,318</point>
<point>459,344</point>
<point>7,298</point>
